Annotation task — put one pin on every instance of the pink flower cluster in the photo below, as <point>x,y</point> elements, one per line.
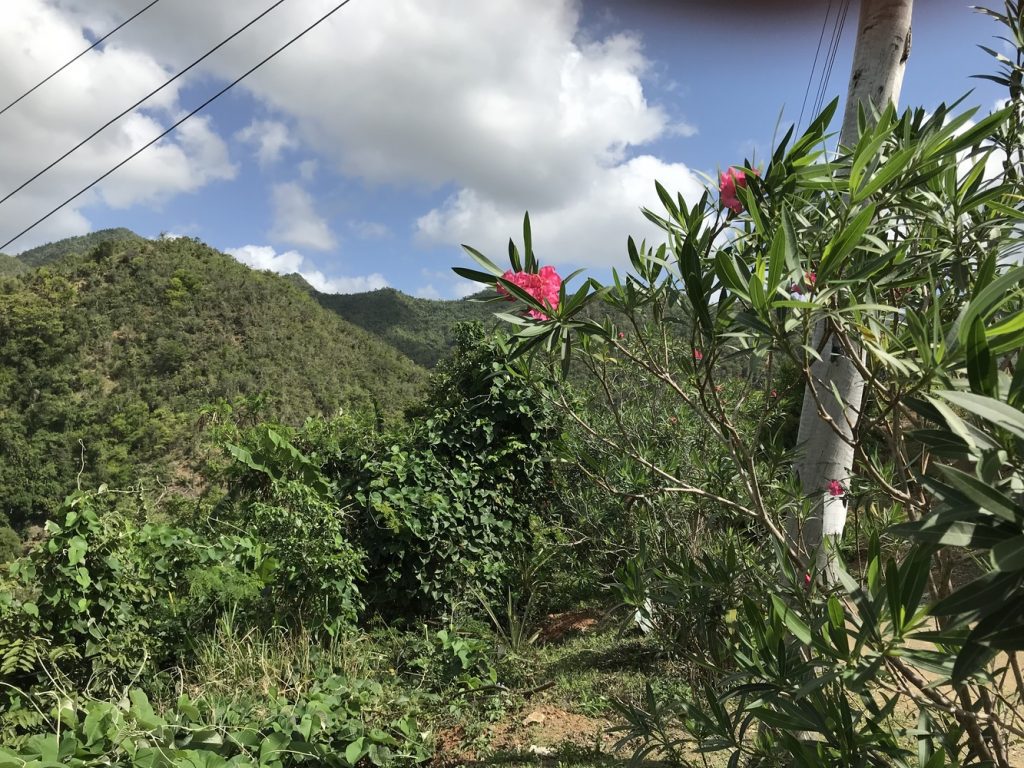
<point>543,285</point>
<point>727,183</point>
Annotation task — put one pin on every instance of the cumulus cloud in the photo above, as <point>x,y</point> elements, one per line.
<point>591,229</point>
<point>292,262</point>
<point>269,138</point>
<point>437,284</point>
<point>427,292</point>
<point>510,103</point>
<point>36,37</point>
<point>296,221</point>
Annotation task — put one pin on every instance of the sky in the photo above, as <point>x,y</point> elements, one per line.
<point>365,153</point>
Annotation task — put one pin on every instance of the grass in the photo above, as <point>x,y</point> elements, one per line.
<point>568,687</point>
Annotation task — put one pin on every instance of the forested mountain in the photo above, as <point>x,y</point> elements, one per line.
<point>9,265</point>
<point>108,352</point>
<point>422,329</point>
<point>70,246</point>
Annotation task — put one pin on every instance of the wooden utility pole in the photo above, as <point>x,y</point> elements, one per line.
<point>826,458</point>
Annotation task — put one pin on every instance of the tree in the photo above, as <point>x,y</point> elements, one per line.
<point>827,439</point>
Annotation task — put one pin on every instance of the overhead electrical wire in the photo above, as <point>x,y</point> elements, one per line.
<point>830,59</point>
<point>206,103</point>
<point>814,65</point>
<point>71,61</point>
<point>138,103</point>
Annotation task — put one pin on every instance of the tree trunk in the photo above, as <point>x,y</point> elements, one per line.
<point>880,57</point>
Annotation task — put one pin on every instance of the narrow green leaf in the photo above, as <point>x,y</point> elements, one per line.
<point>482,260</point>
<point>990,409</point>
<point>1008,555</point>
<point>795,624</point>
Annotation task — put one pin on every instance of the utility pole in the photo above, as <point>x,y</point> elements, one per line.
<point>879,61</point>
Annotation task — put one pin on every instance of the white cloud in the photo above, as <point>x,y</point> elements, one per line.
<point>296,221</point>
<point>358,284</point>
<point>444,284</point>
<point>292,262</point>
<point>265,257</point>
<point>508,103</point>
<point>270,138</point>
<point>370,230</point>
<point>308,169</point>
<point>427,292</point>
<point>590,229</point>
<point>34,39</point>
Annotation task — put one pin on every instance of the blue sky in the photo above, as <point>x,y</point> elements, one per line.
<point>366,152</point>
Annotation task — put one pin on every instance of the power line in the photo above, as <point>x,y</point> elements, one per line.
<point>206,103</point>
<point>814,65</point>
<point>68,63</point>
<point>830,59</point>
<point>145,98</point>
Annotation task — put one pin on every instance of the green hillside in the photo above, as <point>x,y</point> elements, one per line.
<point>422,329</point>
<point>9,265</point>
<point>55,251</point>
<point>106,358</point>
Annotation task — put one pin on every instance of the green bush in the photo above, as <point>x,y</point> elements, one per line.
<point>446,505</point>
<point>10,544</point>
<point>282,499</point>
<point>108,596</point>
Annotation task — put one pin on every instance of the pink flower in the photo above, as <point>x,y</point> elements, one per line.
<point>544,286</point>
<point>807,578</point>
<point>621,335</point>
<point>727,183</point>
<point>835,488</point>
<point>698,355</point>
<point>775,394</point>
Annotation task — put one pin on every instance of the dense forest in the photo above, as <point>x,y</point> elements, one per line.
<point>112,346</point>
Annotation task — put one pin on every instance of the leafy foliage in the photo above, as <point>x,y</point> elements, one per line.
<point>108,357</point>
<point>327,725</point>
<point>448,504</point>
<point>9,265</point>
<point>896,254</point>
<point>81,245</point>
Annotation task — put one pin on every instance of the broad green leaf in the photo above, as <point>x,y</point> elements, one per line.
<point>77,548</point>
<point>355,750</point>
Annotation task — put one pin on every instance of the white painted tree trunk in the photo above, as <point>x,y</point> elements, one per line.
<point>883,45</point>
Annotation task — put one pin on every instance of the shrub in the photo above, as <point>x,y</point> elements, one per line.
<point>446,505</point>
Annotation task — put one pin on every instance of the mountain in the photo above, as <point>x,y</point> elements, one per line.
<point>9,265</point>
<point>109,352</point>
<point>422,329</point>
<point>53,252</point>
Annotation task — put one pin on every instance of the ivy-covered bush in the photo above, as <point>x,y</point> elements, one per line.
<point>108,596</point>
<point>447,504</point>
<point>280,497</point>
